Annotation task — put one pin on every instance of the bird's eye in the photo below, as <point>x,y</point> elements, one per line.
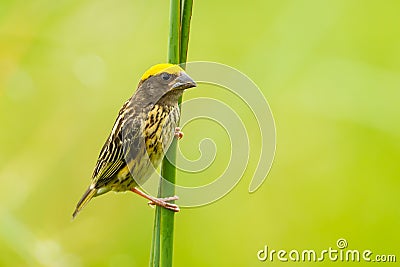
<point>165,76</point>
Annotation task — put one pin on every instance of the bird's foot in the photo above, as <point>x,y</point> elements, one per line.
<point>162,202</point>
<point>178,133</point>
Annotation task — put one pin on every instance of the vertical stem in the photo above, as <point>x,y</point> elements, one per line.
<point>168,170</point>
<point>155,244</point>
<point>163,232</point>
<point>174,31</point>
<point>185,30</point>
<point>161,251</point>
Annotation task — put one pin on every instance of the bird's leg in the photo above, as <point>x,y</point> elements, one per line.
<point>178,133</point>
<point>162,202</point>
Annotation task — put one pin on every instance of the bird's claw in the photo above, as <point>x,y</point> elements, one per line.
<point>164,202</point>
<point>178,134</point>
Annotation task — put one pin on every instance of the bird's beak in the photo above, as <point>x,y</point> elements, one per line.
<point>183,81</point>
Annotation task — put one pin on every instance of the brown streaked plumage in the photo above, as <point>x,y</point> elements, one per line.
<point>142,132</point>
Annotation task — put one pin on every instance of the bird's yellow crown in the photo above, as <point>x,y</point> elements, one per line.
<point>169,68</point>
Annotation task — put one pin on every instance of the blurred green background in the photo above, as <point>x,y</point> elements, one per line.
<point>329,69</point>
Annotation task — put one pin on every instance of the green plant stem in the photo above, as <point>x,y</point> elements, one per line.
<point>168,170</point>
<point>163,232</point>
<point>185,30</point>
<point>174,32</point>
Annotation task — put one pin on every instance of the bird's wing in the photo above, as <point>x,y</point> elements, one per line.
<point>110,161</point>
<point>123,143</point>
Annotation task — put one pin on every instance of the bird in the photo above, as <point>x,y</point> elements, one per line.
<point>144,129</point>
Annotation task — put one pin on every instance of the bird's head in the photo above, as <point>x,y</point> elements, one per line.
<point>164,81</point>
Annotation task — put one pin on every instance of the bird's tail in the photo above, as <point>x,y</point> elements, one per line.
<point>89,194</point>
